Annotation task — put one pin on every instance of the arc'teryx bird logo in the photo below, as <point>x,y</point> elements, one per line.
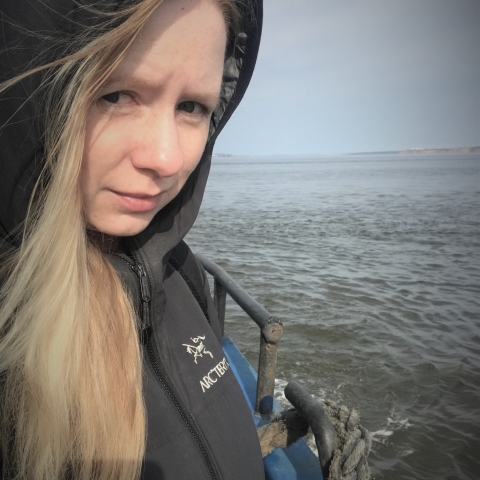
<point>197,350</point>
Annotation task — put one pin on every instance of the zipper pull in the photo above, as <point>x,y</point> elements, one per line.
<point>145,294</point>
<point>142,275</point>
<point>140,272</point>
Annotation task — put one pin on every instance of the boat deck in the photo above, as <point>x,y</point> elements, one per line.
<point>294,462</point>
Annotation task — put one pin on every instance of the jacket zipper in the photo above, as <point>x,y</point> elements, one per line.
<point>161,375</point>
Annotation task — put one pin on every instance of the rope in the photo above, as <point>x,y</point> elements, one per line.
<point>284,429</point>
<point>349,460</point>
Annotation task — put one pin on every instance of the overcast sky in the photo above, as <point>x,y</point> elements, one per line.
<point>339,76</point>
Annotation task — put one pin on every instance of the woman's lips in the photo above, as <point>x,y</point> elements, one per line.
<point>138,202</point>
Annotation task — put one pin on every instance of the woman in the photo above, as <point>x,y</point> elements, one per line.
<point>110,367</point>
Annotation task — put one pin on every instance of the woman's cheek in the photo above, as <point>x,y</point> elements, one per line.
<point>193,141</point>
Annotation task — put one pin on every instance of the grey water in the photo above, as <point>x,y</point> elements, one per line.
<point>373,265</point>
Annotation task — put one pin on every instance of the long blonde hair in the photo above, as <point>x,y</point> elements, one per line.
<point>71,399</point>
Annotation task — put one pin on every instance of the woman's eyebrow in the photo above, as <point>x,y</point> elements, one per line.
<point>133,81</point>
<point>209,99</point>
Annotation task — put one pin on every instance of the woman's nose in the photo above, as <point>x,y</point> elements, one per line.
<point>158,147</point>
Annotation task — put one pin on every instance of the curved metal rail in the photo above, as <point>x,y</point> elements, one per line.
<point>271,329</point>
<point>318,419</point>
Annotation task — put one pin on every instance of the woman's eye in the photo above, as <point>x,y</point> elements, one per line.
<point>114,97</point>
<point>191,107</point>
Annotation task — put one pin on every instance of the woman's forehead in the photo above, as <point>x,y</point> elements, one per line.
<point>182,37</point>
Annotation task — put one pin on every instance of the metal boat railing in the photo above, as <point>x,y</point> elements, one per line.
<point>271,329</point>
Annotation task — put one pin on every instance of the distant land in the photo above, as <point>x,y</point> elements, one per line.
<point>416,151</point>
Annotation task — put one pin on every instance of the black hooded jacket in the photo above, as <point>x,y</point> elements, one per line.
<point>199,425</point>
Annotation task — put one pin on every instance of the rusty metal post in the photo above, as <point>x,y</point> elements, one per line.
<point>271,330</point>
<point>270,335</point>
<point>220,298</point>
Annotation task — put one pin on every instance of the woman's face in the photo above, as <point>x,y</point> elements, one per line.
<point>148,128</point>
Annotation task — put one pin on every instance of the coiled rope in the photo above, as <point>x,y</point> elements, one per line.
<point>349,459</point>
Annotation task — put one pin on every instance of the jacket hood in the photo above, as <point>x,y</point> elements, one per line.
<point>30,32</point>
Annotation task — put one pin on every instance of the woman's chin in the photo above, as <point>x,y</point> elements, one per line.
<point>120,227</point>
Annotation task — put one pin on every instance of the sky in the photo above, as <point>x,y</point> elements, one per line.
<point>342,76</point>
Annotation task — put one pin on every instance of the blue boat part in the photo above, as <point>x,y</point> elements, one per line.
<point>294,462</point>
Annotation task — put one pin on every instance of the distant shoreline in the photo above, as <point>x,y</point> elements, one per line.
<point>412,151</point>
<point>422,151</point>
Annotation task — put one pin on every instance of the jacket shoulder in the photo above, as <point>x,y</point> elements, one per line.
<point>188,266</point>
